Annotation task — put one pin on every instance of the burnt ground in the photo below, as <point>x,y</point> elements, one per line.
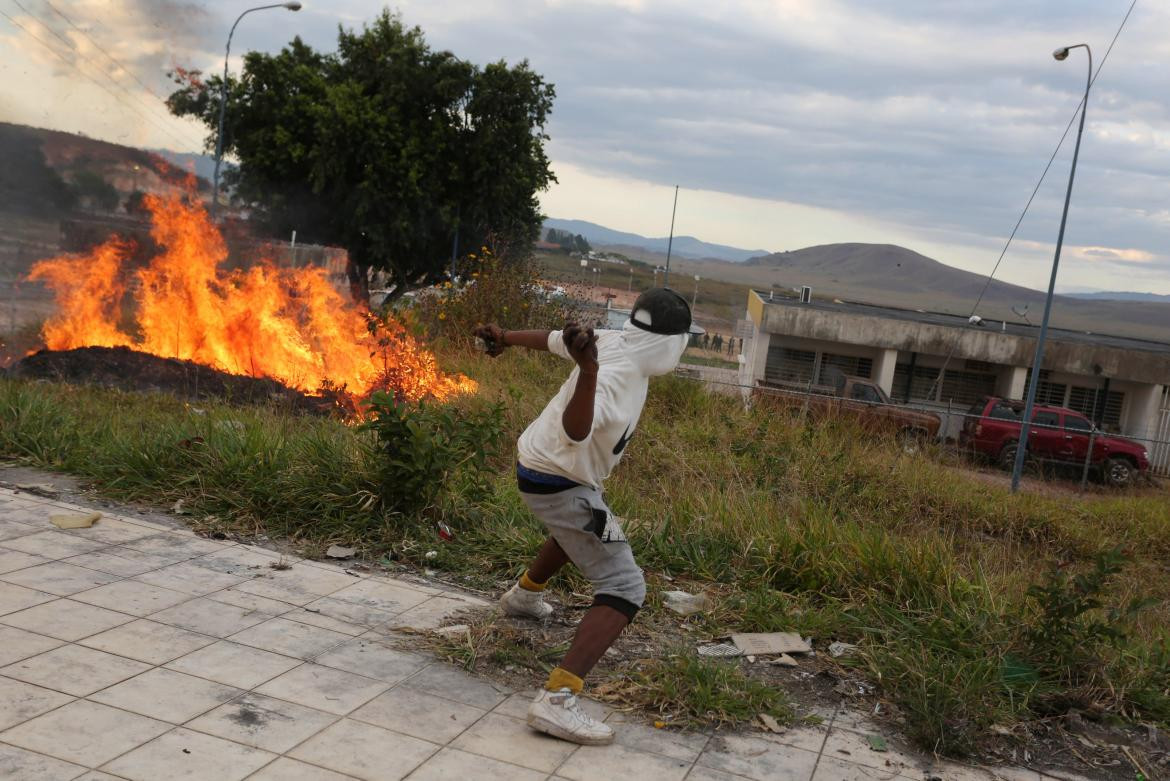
<point>130,370</point>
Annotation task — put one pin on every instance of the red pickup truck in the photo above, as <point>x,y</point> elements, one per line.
<point>1057,436</point>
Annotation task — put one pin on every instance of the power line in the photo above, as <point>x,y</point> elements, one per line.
<point>1036,189</point>
<point>101,49</point>
<point>150,117</point>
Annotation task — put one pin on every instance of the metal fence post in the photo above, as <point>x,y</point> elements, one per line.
<point>1088,460</point>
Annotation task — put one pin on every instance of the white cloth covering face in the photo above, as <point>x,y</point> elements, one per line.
<point>626,360</point>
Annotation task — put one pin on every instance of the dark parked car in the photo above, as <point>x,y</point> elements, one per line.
<point>1057,436</point>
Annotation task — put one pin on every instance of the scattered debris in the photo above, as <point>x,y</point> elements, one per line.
<point>432,554</point>
<point>74,520</point>
<point>280,565</point>
<point>340,552</point>
<point>684,603</point>
<point>771,643</point>
<point>719,649</point>
<point>47,490</point>
<point>177,507</point>
<point>770,723</point>
<point>877,743</point>
<point>783,660</point>
<point>460,631</point>
<point>445,532</point>
<point>839,649</point>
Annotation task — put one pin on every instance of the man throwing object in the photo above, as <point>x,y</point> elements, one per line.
<point>564,456</point>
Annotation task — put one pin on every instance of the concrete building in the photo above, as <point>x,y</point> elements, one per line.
<point>945,363</point>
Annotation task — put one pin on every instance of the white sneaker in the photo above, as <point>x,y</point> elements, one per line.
<point>559,714</point>
<point>525,604</point>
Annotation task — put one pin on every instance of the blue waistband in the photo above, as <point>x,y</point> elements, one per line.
<point>542,478</point>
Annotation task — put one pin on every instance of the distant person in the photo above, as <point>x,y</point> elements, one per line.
<point>564,456</point>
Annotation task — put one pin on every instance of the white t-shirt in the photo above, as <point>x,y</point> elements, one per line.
<point>626,360</point>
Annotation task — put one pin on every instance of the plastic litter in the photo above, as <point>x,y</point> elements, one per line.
<point>841,649</point>
<point>684,603</point>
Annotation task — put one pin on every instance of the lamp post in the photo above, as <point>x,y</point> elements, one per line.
<point>223,97</point>
<point>695,297</point>
<point>1038,359</point>
<point>670,241</point>
<point>596,277</point>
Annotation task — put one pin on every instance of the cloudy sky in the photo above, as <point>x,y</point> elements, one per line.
<point>786,122</point>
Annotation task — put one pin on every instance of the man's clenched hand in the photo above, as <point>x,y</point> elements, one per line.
<point>493,337</point>
<point>581,343</point>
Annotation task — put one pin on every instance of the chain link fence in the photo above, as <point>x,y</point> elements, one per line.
<point>1074,446</point>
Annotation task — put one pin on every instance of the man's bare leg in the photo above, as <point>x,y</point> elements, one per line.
<point>597,632</point>
<point>549,560</point>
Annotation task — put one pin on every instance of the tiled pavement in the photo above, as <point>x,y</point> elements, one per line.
<point>134,651</point>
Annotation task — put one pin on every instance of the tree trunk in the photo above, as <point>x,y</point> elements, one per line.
<point>359,281</point>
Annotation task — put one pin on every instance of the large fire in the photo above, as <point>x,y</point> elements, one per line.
<point>286,324</point>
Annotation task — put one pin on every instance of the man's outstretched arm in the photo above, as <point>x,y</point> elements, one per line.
<point>497,338</point>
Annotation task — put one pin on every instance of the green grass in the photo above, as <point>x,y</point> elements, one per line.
<point>814,528</point>
<point>707,360</point>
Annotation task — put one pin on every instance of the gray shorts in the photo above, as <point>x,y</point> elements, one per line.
<point>591,536</point>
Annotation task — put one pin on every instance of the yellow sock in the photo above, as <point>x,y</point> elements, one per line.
<point>563,679</point>
<point>528,584</point>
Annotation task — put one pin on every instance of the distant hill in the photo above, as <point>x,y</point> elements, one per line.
<point>125,168</point>
<point>683,246</point>
<point>889,275</point>
<point>1120,296</point>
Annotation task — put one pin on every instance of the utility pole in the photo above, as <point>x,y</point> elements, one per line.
<point>670,241</point>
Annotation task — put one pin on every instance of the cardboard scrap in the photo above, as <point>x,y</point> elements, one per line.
<point>74,520</point>
<point>771,643</point>
<point>340,552</point>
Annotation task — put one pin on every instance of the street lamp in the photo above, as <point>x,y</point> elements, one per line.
<point>1038,359</point>
<point>223,97</point>
<point>596,277</point>
<point>695,297</point>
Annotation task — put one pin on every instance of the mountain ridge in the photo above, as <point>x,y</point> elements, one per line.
<point>683,246</point>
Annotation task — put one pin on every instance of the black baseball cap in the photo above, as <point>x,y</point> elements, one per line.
<point>661,310</point>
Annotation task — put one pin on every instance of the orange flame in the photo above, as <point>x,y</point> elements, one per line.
<point>290,325</point>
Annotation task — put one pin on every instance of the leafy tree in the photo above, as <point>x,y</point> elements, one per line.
<point>385,147</point>
<point>136,204</point>
<point>93,189</point>
<point>27,183</point>
<point>567,241</point>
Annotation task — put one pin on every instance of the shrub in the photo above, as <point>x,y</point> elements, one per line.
<point>507,291</point>
<point>424,445</point>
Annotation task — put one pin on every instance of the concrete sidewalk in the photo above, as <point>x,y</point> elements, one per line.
<point>133,650</point>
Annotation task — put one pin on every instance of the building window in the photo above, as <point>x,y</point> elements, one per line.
<point>786,366</point>
<point>922,384</point>
<point>1048,392</point>
<point>1089,403</point>
<point>833,366</point>
<point>966,387</point>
